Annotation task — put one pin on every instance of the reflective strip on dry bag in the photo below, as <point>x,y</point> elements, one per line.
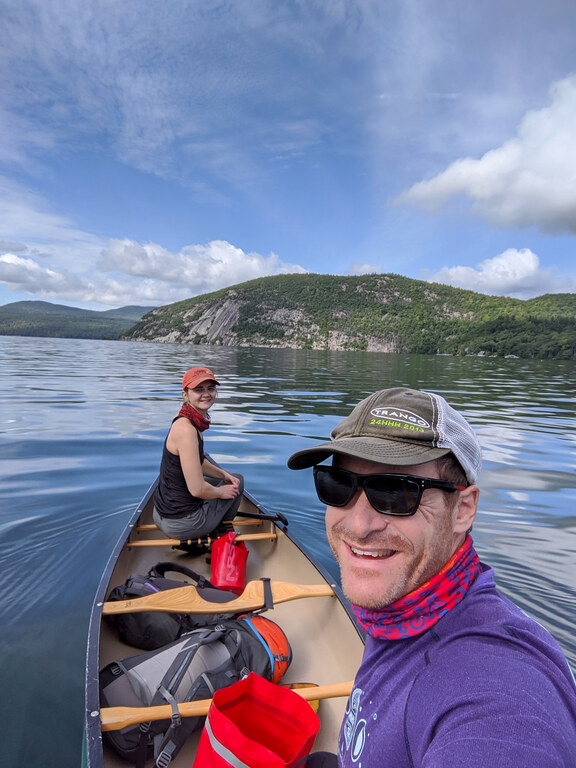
<point>221,750</point>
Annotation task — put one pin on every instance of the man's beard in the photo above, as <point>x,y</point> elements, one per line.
<point>375,591</point>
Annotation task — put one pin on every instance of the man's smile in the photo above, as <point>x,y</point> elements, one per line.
<point>377,554</point>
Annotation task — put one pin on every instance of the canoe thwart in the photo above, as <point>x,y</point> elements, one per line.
<point>201,541</point>
<point>244,521</point>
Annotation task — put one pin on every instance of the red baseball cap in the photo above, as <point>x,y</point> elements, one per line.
<point>195,376</point>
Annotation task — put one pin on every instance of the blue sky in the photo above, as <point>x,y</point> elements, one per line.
<point>153,150</point>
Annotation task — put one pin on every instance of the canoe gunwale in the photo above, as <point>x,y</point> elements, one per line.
<point>93,733</point>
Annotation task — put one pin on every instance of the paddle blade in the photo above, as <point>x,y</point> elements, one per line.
<point>187,600</point>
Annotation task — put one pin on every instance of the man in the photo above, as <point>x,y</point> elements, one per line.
<point>453,673</point>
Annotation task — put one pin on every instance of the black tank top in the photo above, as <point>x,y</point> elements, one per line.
<point>172,497</point>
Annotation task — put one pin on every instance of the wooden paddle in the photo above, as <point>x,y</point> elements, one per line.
<point>115,718</point>
<point>187,600</point>
<point>205,540</point>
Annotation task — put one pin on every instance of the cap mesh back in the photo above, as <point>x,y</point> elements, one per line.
<point>456,434</point>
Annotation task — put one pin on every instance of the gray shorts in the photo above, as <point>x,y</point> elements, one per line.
<point>204,520</point>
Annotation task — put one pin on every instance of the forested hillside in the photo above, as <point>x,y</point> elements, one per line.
<point>42,318</point>
<point>381,312</point>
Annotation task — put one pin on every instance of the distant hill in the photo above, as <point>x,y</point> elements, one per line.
<point>42,318</point>
<point>380,312</point>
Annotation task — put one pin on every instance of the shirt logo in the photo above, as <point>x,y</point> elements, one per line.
<point>354,728</point>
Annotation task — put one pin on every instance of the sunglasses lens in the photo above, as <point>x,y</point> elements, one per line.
<point>393,496</point>
<point>334,487</point>
<point>387,494</point>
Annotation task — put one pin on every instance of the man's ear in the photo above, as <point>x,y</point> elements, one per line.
<point>466,508</point>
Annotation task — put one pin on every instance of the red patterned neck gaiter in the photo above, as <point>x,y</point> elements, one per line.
<point>419,610</point>
<point>200,421</point>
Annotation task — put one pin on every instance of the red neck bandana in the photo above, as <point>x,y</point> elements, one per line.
<point>200,421</point>
<point>419,610</point>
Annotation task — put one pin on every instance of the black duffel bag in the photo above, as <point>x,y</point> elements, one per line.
<point>153,630</point>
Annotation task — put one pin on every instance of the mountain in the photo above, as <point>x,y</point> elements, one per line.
<point>380,312</point>
<point>42,318</point>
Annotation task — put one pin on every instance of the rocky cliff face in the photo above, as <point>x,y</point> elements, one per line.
<point>205,323</point>
<point>213,322</point>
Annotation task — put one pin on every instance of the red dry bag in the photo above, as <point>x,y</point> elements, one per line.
<point>256,724</point>
<point>228,563</point>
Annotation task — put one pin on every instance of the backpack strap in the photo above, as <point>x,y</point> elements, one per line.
<point>179,729</point>
<point>171,743</point>
<point>161,569</point>
<point>142,748</point>
<point>206,589</point>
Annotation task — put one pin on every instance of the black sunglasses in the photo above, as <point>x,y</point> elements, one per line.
<point>397,495</point>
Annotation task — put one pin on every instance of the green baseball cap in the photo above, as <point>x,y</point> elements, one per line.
<point>400,427</point>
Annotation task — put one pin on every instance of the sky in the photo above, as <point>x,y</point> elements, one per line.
<point>155,150</point>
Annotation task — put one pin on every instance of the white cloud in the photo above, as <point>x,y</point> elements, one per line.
<point>512,273</point>
<point>25,274</point>
<point>131,273</point>
<point>364,269</point>
<point>529,181</point>
<point>196,268</point>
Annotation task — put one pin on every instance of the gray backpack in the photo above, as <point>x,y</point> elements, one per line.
<point>193,667</point>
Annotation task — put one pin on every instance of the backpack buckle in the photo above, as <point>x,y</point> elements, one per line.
<point>175,717</point>
<point>165,757</point>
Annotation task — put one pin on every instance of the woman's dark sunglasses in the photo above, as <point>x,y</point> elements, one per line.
<point>388,494</point>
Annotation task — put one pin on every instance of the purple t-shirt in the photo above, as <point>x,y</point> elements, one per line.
<point>486,687</point>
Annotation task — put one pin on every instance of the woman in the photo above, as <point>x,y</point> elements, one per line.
<point>194,497</point>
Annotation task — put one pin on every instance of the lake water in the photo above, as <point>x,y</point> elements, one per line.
<point>81,431</point>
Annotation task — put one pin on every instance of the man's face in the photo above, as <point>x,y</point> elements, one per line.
<point>382,557</point>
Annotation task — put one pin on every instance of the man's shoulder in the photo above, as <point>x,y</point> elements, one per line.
<point>486,680</point>
<point>485,616</point>
<point>489,637</point>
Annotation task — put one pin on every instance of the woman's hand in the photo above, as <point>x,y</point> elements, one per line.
<point>228,490</point>
<point>230,479</point>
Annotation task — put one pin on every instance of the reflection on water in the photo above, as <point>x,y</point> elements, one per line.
<point>81,428</point>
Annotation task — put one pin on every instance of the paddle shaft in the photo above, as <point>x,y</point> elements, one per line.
<point>115,718</point>
<point>188,600</point>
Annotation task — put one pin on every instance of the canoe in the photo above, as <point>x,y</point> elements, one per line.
<point>326,642</point>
